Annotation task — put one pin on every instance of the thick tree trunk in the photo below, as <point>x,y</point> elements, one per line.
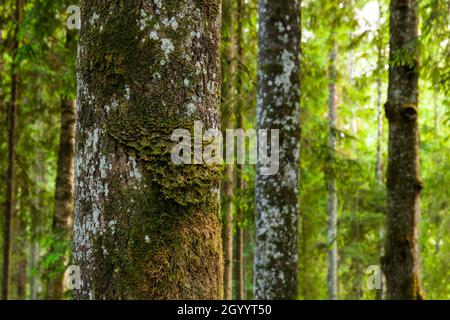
<point>145,228</point>
<point>276,255</point>
<point>62,219</point>
<point>401,261</point>
<point>331,183</point>
<point>11,172</point>
<point>228,109</point>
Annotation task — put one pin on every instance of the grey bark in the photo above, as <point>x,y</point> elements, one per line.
<point>331,183</point>
<point>276,254</point>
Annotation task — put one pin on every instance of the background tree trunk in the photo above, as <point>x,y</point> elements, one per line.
<point>228,102</point>
<point>331,183</point>
<point>401,261</point>
<point>22,278</point>
<point>12,142</point>
<point>276,254</point>
<point>240,168</point>
<point>62,219</point>
<point>34,256</point>
<point>145,228</point>
<point>381,293</point>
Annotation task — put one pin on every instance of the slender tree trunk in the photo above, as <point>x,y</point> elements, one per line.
<point>34,256</point>
<point>331,184</point>
<point>228,271</point>
<point>228,103</point>
<point>379,162</point>
<point>381,293</point>
<point>240,172</point>
<point>22,278</point>
<point>11,172</point>
<point>401,261</point>
<point>276,254</point>
<point>380,68</point>
<point>436,112</point>
<point>145,228</point>
<point>62,219</point>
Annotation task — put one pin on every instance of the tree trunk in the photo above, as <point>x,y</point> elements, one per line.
<point>276,255</point>
<point>22,278</point>
<point>34,256</point>
<point>145,228</point>
<point>240,172</point>
<point>401,261</point>
<point>11,171</point>
<point>379,72</point>
<point>62,219</point>
<point>228,109</point>
<point>331,183</point>
<point>381,292</point>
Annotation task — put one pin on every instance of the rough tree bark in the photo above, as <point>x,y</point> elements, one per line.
<point>276,255</point>
<point>145,228</point>
<point>331,183</point>
<point>401,261</point>
<point>227,112</point>
<point>11,171</point>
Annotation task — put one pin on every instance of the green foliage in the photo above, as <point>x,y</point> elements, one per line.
<point>47,62</point>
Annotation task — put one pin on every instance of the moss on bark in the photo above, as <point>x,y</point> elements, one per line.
<point>151,228</point>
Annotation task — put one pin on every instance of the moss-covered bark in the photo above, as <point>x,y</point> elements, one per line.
<point>401,261</point>
<point>276,257</point>
<point>145,228</point>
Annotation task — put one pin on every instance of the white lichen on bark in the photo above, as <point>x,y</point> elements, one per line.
<point>276,257</point>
